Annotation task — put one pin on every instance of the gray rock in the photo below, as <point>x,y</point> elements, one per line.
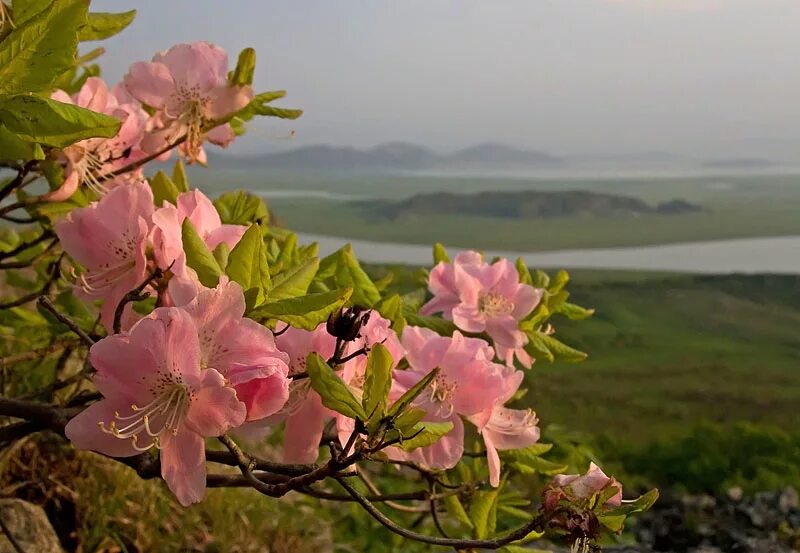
<point>29,526</point>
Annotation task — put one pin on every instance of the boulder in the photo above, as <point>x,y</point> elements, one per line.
<point>29,526</point>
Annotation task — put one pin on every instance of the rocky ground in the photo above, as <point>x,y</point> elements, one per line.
<point>767,522</point>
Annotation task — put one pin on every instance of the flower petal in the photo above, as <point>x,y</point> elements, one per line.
<point>85,433</point>
<point>183,465</point>
<point>214,407</point>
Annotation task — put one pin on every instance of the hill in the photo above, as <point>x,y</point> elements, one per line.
<point>524,204</point>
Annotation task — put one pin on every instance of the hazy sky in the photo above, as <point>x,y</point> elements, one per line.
<point>713,77</point>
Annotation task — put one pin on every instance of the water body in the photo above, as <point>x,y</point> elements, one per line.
<point>751,255</point>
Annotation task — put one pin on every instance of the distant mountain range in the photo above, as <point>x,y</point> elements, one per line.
<point>404,156</point>
<point>393,156</point>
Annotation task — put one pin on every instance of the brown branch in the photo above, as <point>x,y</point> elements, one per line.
<point>30,355</point>
<point>17,182</point>
<point>45,302</point>
<point>137,294</point>
<point>23,264</point>
<point>537,523</point>
<point>26,245</point>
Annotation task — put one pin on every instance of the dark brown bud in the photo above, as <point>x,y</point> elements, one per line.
<point>346,324</point>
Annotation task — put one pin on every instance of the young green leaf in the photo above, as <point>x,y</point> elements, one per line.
<point>334,392</point>
<point>524,274</point>
<point>424,434</point>
<point>412,393</point>
<point>561,350</point>
<point>164,190</point>
<point>440,254</point>
<point>221,253</point>
<point>349,273</point>
<point>53,123</point>
<point>305,312</point>
<point>574,312</point>
<point>42,47</point>
<point>483,513</point>
<point>558,282</point>
<point>408,419</point>
<point>103,25</point>
<point>179,176</point>
<point>198,257</point>
<point>295,281</point>
<point>436,324</point>
<point>245,67</point>
<point>247,263</point>
<point>241,208</point>
<point>377,382</point>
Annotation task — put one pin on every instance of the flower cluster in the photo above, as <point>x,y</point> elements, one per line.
<point>219,325</point>
<point>181,98</point>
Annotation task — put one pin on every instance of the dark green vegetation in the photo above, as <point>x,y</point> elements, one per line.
<point>331,204</point>
<point>521,205</point>
<point>691,381</point>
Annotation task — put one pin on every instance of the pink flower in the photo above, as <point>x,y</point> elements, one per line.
<point>109,238</point>
<point>188,85</point>
<point>468,383</point>
<point>242,350</point>
<point>503,428</point>
<point>482,297</point>
<point>377,330</point>
<point>155,394</point>
<point>586,485</point>
<point>88,161</point>
<point>304,413</point>
<point>167,236</point>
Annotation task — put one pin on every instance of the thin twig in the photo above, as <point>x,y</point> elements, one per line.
<point>23,264</point>
<point>55,274</point>
<point>137,294</point>
<point>26,245</point>
<point>45,302</point>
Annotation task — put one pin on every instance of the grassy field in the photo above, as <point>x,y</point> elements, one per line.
<point>737,207</point>
<point>669,351</point>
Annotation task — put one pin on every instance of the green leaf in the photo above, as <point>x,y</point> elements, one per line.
<point>221,253</point>
<point>349,273</point>
<point>179,176</point>
<point>537,347</point>
<point>558,282</point>
<point>561,350</point>
<point>574,312</point>
<point>13,148</point>
<point>540,279</point>
<point>457,511</point>
<point>440,254</point>
<point>640,504</point>
<point>102,25</point>
<point>334,392</point>
<point>164,190</point>
<point>535,450</point>
<point>408,419</point>
<point>440,326</point>
<point>412,393</point>
<point>25,9</point>
<point>198,257</point>
<point>53,123</point>
<point>305,312</point>
<point>241,208</point>
<point>377,382</point>
<point>424,434</point>
<point>42,47</point>
<point>247,264</point>
<point>524,274</point>
<point>483,513</point>
<point>533,464</point>
<point>245,67</point>
<point>295,281</point>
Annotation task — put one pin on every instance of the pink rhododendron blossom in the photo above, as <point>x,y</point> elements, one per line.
<point>504,428</point>
<point>377,330</point>
<point>157,394</point>
<point>304,413</point>
<point>469,383</point>
<point>88,161</point>
<point>242,350</point>
<point>167,234</point>
<point>482,297</point>
<point>584,486</point>
<point>109,238</point>
<point>189,86</point>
